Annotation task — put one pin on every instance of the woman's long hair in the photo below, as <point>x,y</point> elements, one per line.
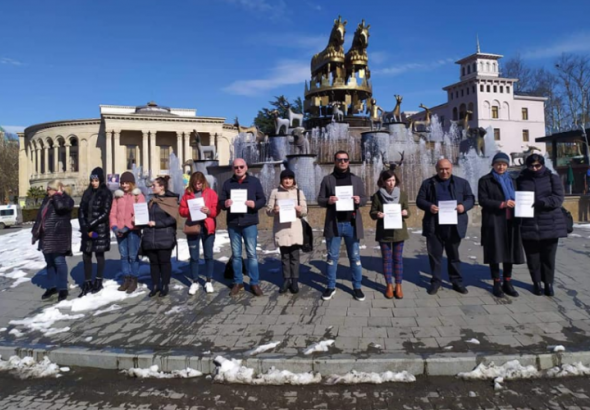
<point>197,177</point>
<point>385,175</point>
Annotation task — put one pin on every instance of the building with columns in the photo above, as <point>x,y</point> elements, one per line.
<point>123,136</point>
<point>490,101</point>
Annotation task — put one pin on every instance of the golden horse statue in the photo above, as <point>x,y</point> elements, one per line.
<point>253,129</point>
<point>357,55</point>
<point>334,50</point>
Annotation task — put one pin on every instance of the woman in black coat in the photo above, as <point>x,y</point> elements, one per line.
<point>93,215</point>
<point>53,230</point>
<point>500,233</point>
<point>540,234</point>
<point>159,237</point>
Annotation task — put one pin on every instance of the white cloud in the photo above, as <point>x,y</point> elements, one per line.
<point>311,43</point>
<point>266,9</point>
<point>10,61</point>
<point>286,72</point>
<point>403,68</point>
<point>378,57</point>
<point>576,43</point>
<point>13,129</point>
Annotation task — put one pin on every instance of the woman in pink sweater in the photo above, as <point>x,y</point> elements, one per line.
<point>123,226</point>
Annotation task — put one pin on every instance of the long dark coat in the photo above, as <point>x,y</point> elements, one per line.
<point>500,236</point>
<point>52,227</point>
<point>93,214</point>
<point>389,235</point>
<point>163,234</point>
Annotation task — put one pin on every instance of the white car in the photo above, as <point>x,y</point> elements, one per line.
<point>10,215</point>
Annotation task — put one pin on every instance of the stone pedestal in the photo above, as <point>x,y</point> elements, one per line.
<point>279,147</point>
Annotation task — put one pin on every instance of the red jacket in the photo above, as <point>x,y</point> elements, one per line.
<point>211,202</point>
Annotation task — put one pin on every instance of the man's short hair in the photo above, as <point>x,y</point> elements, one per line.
<point>341,152</point>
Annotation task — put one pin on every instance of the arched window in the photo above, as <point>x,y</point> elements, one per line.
<point>72,162</point>
<point>61,155</point>
<point>468,69</point>
<point>51,156</point>
<point>463,71</point>
<point>455,116</point>
<point>470,107</point>
<point>462,111</point>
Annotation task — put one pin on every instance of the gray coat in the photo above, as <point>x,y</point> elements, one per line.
<point>328,189</point>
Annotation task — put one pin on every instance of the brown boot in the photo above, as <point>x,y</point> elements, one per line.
<point>256,290</point>
<point>398,291</point>
<point>125,284</point>
<point>389,291</point>
<point>132,285</point>
<point>236,289</point>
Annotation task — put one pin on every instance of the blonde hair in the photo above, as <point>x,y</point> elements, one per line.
<point>55,184</point>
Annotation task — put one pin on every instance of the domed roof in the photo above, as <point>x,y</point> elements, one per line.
<point>152,108</point>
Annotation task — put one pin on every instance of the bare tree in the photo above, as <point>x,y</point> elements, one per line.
<point>8,169</point>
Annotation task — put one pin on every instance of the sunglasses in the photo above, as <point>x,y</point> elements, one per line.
<point>535,166</point>
<point>239,167</point>
<point>342,159</point>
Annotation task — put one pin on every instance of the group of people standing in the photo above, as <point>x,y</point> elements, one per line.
<point>506,239</point>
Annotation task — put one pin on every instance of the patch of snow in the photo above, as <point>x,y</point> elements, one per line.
<point>472,394</point>
<point>223,259</point>
<point>566,370</point>
<point>3,329</point>
<point>558,348</point>
<point>582,226</point>
<point>28,368</point>
<point>178,287</point>
<point>88,339</point>
<point>418,232</point>
<point>232,371</point>
<point>477,243</point>
<point>44,321</point>
<point>355,377</point>
<point>263,348</point>
<point>574,235</point>
<point>94,301</point>
<point>473,341</point>
<point>363,247</point>
<point>54,331</point>
<point>175,309</point>
<point>448,347</point>
<point>73,286</point>
<point>319,347</point>
<point>153,372</point>
<point>111,308</point>
<point>508,371</point>
<point>19,281</point>
<point>272,251</point>
<point>473,257</point>
<point>16,333</point>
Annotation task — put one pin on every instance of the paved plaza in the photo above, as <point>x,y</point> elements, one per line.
<point>447,325</point>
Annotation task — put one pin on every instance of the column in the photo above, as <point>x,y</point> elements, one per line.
<point>46,156</point>
<point>117,151</point>
<point>56,158</point>
<point>179,153</point>
<point>145,161</point>
<point>155,160</point>
<point>67,161</point>
<point>108,152</point>
<point>188,152</point>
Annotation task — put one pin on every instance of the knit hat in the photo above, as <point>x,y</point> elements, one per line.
<point>287,173</point>
<point>97,173</point>
<point>127,177</point>
<point>501,157</point>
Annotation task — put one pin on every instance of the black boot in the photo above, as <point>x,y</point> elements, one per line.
<point>537,290</point>
<point>49,293</point>
<point>497,291</point>
<point>97,287</point>
<point>86,288</point>
<point>509,289</point>
<point>164,291</point>
<point>154,292</point>
<point>294,286</point>
<point>63,295</point>
<point>549,289</point>
<point>286,285</point>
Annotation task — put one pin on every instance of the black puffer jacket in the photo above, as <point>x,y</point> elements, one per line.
<point>163,234</point>
<point>548,222</point>
<point>52,227</point>
<point>94,212</point>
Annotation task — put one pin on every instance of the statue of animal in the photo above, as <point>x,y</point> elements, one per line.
<point>295,116</point>
<point>300,141</point>
<point>204,149</point>
<point>337,113</point>
<point>280,122</point>
<point>357,55</point>
<point>425,125</point>
<point>475,139</point>
<point>334,49</point>
<point>395,164</point>
<point>395,114</point>
<point>466,119</point>
<point>253,129</point>
<point>522,155</point>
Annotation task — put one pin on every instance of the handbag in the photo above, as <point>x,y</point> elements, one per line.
<point>191,229</point>
<point>307,233</point>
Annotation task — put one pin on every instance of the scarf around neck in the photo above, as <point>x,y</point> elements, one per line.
<point>168,204</point>
<point>506,183</point>
<point>392,198</point>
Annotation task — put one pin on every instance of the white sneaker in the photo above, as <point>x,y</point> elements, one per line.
<point>209,287</point>
<point>194,288</point>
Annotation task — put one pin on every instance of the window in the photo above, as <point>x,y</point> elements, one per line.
<point>496,134</point>
<point>474,67</point>
<point>525,113</point>
<point>488,88</point>
<point>442,120</point>
<point>468,69</point>
<point>525,135</point>
<point>463,71</point>
<point>508,90</point>
<point>164,157</point>
<point>495,88</point>
<point>467,89</point>
<point>455,115</point>
<point>451,96</point>
<point>495,111</point>
<point>462,93</point>
<point>481,88</point>
<point>7,212</point>
<point>501,88</point>
<point>130,157</point>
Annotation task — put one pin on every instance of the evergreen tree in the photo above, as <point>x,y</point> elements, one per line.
<point>265,121</point>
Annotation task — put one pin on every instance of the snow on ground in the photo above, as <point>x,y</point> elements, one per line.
<point>44,321</point>
<point>223,259</point>
<point>176,309</point>
<point>508,371</point>
<point>263,348</point>
<point>3,329</point>
<point>566,370</point>
<point>111,308</point>
<point>94,301</point>
<point>271,251</point>
<point>355,377</point>
<point>88,339</point>
<point>232,371</point>
<point>473,257</point>
<point>558,348</point>
<point>472,341</point>
<point>16,333</point>
<point>153,372</point>
<point>28,368</point>
<point>582,226</point>
<point>319,347</point>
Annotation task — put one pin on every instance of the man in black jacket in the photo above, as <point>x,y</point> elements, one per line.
<point>243,225</point>
<point>444,186</point>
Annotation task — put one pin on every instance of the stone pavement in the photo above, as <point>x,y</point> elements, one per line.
<point>414,329</point>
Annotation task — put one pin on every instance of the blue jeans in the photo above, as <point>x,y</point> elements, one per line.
<point>250,236</point>
<point>346,231</point>
<point>57,270</point>
<point>129,248</point>
<point>193,247</point>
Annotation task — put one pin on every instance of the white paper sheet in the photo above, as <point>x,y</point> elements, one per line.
<point>239,198</point>
<point>345,201</point>
<point>141,213</point>
<point>194,206</point>
<point>287,211</point>
<point>447,213</point>
<point>393,216</point>
<point>524,204</point>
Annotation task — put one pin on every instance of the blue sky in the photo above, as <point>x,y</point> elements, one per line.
<point>60,59</point>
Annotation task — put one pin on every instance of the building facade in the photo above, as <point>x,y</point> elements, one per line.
<point>123,136</point>
<point>489,101</point>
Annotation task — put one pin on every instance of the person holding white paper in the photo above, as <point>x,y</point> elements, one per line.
<point>288,236</point>
<point>391,241</point>
<point>122,221</point>
<point>198,189</point>
<point>500,230</point>
<point>347,225</point>
<point>243,226</point>
<point>444,186</point>
<point>540,234</point>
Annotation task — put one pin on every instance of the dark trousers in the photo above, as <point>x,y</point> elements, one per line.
<point>435,245</point>
<point>540,259</point>
<point>87,258</point>
<point>160,266</point>
<point>495,270</point>
<point>290,261</point>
